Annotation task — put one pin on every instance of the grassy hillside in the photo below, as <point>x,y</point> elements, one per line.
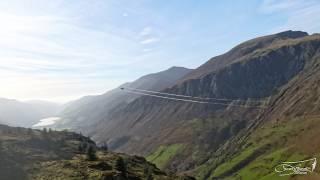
<point>266,148</point>
<point>162,156</point>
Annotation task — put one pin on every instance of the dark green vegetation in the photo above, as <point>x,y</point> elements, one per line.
<point>108,166</point>
<point>53,155</point>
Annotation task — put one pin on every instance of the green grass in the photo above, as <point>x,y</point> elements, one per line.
<point>262,166</point>
<point>227,166</point>
<point>164,154</point>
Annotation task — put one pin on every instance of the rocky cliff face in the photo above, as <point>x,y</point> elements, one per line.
<point>254,76</point>
<point>241,50</point>
<point>187,134</point>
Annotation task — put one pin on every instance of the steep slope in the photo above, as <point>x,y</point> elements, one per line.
<point>53,155</point>
<point>25,114</point>
<point>83,113</point>
<point>287,131</point>
<point>182,136</point>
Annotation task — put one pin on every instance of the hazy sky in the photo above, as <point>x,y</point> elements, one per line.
<point>60,50</point>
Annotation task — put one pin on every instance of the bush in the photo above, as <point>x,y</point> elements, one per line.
<point>121,166</point>
<point>91,153</point>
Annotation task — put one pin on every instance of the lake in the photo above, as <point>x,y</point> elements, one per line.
<point>47,121</point>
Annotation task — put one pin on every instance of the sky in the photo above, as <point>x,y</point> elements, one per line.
<point>62,50</point>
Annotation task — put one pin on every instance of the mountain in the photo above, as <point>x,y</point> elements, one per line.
<point>265,100</point>
<point>285,131</point>
<point>85,112</point>
<point>53,155</point>
<point>25,114</point>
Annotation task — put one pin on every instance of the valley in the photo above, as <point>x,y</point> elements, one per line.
<point>159,90</point>
<point>237,116</point>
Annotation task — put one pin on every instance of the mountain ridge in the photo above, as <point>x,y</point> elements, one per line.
<point>242,49</point>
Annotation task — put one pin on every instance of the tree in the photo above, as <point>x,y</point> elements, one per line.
<point>29,131</point>
<point>121,166</point>
<point>104,146</point>
<point>45,133</point>
<point>91,153</point>
<point>45,130</point>
<point>82,147</point>
<point>148,172</point>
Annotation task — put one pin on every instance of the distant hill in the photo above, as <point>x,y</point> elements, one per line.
<point>25,114</point>
<point>52,155</point>
<point>84,113</point>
